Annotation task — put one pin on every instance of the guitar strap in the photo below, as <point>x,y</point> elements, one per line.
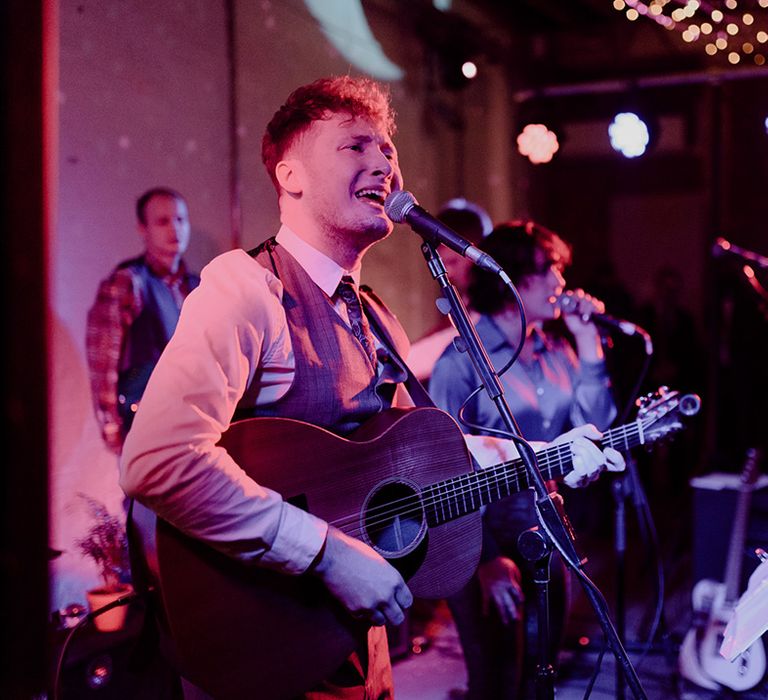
<point>415,388</point>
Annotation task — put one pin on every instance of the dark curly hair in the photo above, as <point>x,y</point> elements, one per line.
<point>513,245</point>
<point>358,97</point>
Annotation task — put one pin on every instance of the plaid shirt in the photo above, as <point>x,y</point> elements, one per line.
<point>118,303</point>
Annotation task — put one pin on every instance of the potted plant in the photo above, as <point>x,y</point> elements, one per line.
<point>107,544</point>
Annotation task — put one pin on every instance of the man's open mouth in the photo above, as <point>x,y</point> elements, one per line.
<point>372,195</point>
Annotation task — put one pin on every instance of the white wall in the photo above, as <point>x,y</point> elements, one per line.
<point>143,101</point>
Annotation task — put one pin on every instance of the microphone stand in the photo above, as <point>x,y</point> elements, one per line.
<point>553,530</point>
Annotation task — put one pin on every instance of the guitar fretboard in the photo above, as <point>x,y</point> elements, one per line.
<point>461,495</point>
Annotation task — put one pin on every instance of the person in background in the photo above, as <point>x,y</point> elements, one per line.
<point>553,386</point>
<point>473,223</point>
<point>135,312</point>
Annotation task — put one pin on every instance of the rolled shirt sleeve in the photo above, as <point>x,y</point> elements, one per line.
<point>171,463</point>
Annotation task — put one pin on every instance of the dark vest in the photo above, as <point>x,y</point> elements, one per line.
<point>148,334</point>
<point>334,385</point>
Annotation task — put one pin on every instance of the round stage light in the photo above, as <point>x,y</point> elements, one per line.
<point>629,134</point>
<point>537,143</point>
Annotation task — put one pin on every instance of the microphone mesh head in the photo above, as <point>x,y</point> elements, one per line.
<point>398,204</point>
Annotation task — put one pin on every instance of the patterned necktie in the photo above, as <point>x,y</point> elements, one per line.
<point>348,294</point>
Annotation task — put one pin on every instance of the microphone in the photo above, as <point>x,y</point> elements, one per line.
<point>570,305</point>
<point>402,207</point>
<point>723,247</point>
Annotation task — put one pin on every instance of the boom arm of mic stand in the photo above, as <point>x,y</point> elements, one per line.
<point>549,518</point>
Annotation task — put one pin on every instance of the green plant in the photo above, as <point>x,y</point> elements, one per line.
<point>107,544</point>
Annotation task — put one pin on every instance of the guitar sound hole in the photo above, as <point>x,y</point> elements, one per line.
<point>393,519</point>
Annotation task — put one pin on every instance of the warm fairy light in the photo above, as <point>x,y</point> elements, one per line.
<point>721,19</point>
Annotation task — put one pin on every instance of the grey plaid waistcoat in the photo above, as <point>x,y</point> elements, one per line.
<point>334,385</point>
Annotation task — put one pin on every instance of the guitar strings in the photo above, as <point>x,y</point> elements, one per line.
<point>498,476</point>
<point>498,472</point>
<point>485,479</point>
<point>480,480</point>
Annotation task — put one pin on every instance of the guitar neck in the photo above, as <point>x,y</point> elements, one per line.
<point>749,476</point>
<point>459,496</point>
<point>736,545</point>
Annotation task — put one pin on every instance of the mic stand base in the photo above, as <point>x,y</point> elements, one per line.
<point>535,548</point>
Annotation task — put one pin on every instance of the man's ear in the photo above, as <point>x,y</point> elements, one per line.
<point>141,229</point>
<point>290,176</point>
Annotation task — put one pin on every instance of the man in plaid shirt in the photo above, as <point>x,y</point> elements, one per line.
<point>135,312</point>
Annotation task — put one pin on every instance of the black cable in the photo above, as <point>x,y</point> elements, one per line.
<point>512,360</point>
<point>624,416</point>
<point>645,518</point>
<point>596,672</point>
<point>122,600</point>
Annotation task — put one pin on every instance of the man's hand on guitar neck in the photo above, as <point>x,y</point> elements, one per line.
<point>365,583</point>
<point>588,459</point>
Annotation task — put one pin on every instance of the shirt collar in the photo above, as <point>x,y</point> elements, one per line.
<point>323,271</point>
<point>495,339</point>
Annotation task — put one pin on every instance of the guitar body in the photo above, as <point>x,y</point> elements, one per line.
<point>228,620</point>
<point>693,651</point>
<point>700,658</point>
<point>713,603</point>
<point>745,671</point>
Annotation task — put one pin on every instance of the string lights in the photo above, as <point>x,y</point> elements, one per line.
<point>736,29</point>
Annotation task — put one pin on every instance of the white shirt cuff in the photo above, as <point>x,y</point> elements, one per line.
<point>300,536</point>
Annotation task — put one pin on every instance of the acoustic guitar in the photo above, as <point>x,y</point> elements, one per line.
<point>713,604</point>
<point>403,483</point>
